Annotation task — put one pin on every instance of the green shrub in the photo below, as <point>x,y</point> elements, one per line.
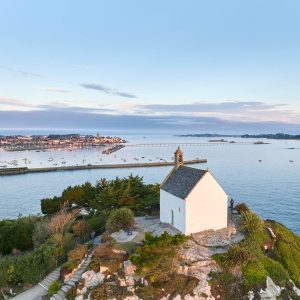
<point>80,228</point>
<point>255,274</point>
<point>68,242</point>
<point>17,234</point>
<point>71,264</point>
<point>287,249</point>
<point>107,239</point>
<point>78,253</point>
<point>225,285</point>
<point>242,208</point>
<point>251,222</point>
<point>156,257</point>
<point>98,221</point>
<point>276,271</point>
<point>90,245</point>
<point>28,268</point>
<point>237,255</point>
<point>121,218</point>
<point>40,232</point>
<point>50,206</point>
<point>53,288</point>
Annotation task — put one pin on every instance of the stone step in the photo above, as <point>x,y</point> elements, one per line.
<point>55,273</point>
<point>48,278</point>
<point>61,293</point>
<point>66,288</point>
<point>70,283</point>
<point>47,282</point>
<point>53,276</point>
<point>57,297</point>
<point>43,286</point>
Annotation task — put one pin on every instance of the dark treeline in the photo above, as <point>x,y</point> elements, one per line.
<point>131,192</point>
<point>277,136</point>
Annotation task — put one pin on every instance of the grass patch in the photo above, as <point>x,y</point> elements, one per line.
<point>53,288</point>
<point>106,257</point>
<point>228,286</point>
<point>255,274</point>
<point>129,247</point>
<point>157,261</point>
<point>287,250</point>
<point>178,284</point>
<point>249,257</point>
<point>108,291</point>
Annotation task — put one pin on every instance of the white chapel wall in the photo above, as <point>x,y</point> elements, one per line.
<point>206,206</point>
<point>169,203</point>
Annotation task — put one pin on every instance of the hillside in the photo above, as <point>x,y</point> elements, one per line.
<point>250,259</point>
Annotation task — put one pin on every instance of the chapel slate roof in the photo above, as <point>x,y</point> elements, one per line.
<point>182,180</point>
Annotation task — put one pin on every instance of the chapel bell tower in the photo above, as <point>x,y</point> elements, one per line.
<point>178,158</point>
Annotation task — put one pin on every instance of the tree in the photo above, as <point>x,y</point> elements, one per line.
<point>121,218</point>
<point>40,232</point>
<point>51,205</point>
<point>59,222</point>
<point>80,228</point>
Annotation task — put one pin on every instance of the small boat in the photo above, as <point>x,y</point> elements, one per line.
<point>291,161</point>
<point>260,160</point>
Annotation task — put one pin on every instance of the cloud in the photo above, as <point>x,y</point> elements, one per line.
<point>106,90</point>
<point>70,119</point>
<point>193,113</point>
<point>248,111</point>
<point>56,90</point>
<point>229,106</point>
<point>21,72</point>
<point>15,105</point>
<point>10,101</point>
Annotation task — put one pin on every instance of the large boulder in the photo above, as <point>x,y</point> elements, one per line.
<point>92,279</point>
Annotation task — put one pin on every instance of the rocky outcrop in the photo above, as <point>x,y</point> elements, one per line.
<point>130,276</point>
<point>196,257</point>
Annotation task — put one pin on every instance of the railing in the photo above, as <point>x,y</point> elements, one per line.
<point>64,258</point>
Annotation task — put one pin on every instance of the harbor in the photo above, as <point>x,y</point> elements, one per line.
<point>26,170</point>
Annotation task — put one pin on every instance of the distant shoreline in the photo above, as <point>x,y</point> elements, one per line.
<point>277,136</point>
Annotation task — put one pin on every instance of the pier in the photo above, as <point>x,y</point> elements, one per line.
<point>189,144</point>
<point>25,170</point>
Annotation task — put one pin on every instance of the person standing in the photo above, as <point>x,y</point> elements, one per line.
<point>231,204</point>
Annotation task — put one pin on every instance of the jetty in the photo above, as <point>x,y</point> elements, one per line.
<point>25,170</point>
<point>210,143</point>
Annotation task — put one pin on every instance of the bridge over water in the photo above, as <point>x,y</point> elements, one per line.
<point>188,144</point>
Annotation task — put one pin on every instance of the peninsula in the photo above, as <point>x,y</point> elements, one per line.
<point>55,141</point>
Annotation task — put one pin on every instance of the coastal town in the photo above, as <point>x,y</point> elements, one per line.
<point>55,141</point>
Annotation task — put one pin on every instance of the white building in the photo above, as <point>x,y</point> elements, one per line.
<point>191,199</point>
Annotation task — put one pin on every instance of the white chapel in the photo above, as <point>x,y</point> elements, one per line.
<point>191,200</point>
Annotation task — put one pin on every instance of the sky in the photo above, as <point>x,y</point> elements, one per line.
<point>220,65</point>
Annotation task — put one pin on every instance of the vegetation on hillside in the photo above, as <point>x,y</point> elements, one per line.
<point>157,261</point>
<point>246,265</point>
<point>31,247</point>
<point>16,235</point>
<point>130,192</point>
<point>121,218</point>
<point>34,247</point>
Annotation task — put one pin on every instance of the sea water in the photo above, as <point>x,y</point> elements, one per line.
<point>266,177</point>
